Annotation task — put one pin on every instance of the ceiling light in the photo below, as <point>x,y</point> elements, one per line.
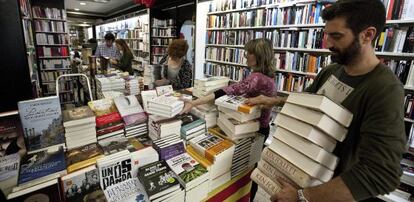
<point>82,3</point>
<point>77,9</point>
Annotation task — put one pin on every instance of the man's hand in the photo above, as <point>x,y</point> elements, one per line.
<point>187,107</point>
<point>287,194</point>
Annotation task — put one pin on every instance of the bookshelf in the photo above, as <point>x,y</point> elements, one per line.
<point>163,31</point>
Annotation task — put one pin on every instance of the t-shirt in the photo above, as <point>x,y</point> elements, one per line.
<point>371,153</point>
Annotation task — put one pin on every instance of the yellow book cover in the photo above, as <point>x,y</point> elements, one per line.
<point>82,157</point>
<point>217,149</point>
<point>203,161</point>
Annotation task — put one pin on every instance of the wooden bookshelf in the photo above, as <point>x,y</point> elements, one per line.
<point>163,31</point>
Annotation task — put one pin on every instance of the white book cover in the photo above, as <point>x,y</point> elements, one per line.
<point>323,104</point>
<point>306,164</point>
<point>128,105</point>
<point>167,101</point>
<point>230,134</point>
<point>146,96</point>
<point>238,128</point>
<point>211,81</point>
<point>130,190</point>
<point>162,90</point>
<point>306,131</point>
<point>317,119</point>
<point>307,148</point>
<point>235,103</point>
<point>240,116</point>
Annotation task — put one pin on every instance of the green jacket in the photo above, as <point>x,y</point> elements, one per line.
<point>371,153</point>
<point>125,63</point>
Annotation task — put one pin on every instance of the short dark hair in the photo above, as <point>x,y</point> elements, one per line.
<point>178,48</point>
<point>109,36</point>
<point>359,14</point>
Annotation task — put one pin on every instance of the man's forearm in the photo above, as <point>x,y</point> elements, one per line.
<point>334,190</point>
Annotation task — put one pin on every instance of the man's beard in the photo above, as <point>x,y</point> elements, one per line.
<point>348,55</point>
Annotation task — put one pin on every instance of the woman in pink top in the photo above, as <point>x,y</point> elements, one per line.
<point>259,55</point>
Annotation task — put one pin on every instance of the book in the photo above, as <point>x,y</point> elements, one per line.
<point>235,103</point>
<point>323,104</point>
<point>307,148</point>
<point>294,173</point>
<point>115,168</point>
<point>146,96</point>
<point>317,119</point>
<point>212,81</point>
<point>130,190</point>
<point>78,185</point>
<point>102,106</point>
<point>82,157</point>
<point>42,123</point>
<point>190,172</point>
<point>42,164</point>
<point>270,186</point>
<point>298,159</point>
<point>240,116</point>
<point>238,128</point>
<point>114,144</point>
<point>212,147</point>
<point>11,136</point>
<point>9,172</point>
<point>78,116</point>
<point>267,169</point>
<point>162,90</point>
<point>306,131</point>
<point>158,179</point>
<point>215,170</point>
<point>47,191</point>
<point>225,132</point>
<point>130,110</point>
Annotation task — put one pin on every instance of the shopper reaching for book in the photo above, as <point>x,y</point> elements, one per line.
<point>371,153</point>
<point>178,71</point>
<point>125,62</point>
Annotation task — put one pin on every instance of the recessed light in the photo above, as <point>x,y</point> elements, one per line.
<point>77,9</point>
<point>82,3</point>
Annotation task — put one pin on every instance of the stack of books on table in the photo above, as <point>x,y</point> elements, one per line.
<point>169,147</point>
<point>308,127</point>
<point>132,85</point>
<point>216,154</point>
<point>108,120</point>
<point>166,106</point>
<point>192,175</point>
<point>52,162</point>
<point>161,127</point>
<point>79,126</point>
<point>246,153</point>
<point>206,86</point>
<point>134,117</point>
<point>80,184</point>
<point>151,74</point>
<point>109,83</point>
<point>160,182</point>
<point>141,154</point>
<point>207,112</point>
<point>191,127</point>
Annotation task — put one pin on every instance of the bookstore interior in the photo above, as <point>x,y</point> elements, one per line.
<point>157,100</point>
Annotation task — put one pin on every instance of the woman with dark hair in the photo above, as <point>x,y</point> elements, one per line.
<point>178,71</point>
<point>125,62</point>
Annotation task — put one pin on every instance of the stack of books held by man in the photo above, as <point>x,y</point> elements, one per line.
<point>132,85</point>
<point>166,106</point>
<point>160,182</point>
<point>169,147</point>
<point>207,112</point>
<point>191,126</point>
<point>192,175</point>
<point>161,127</point>
<point>215,154</point>
<point>246,153</point>
<point>308,127</point>
<point>79,126</point>
<point>206,86</point>
<point>40,167</point>
<point>133,115</point>
<point>109,122</point>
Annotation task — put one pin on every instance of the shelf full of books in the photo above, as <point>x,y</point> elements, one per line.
<point>296,31</point>
<point>163,31</point>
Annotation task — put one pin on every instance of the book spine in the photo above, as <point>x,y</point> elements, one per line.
<point>265,182</point>
<point>273,173</point>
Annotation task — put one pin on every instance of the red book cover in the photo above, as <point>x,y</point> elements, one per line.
<point>107,119</point>
<point>110,129</point>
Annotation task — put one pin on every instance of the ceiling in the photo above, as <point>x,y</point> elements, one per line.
<point>96,8</point>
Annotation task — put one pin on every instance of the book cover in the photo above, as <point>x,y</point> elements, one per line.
<point>172,150</point>
<point>41,122</point>
<point>83,156</point>
<point>41,164</point>
<point>115,168</point>
<point>190,172</point>
<point>235,103</point>
<point>11,136</point>
<point>158,179</point>
<point>130,190</point>
<point>146,96</point>
<point>128,105</point>
<point>47,191</point>
<point>9,171</point>
<point>102,107</point>
<point>270,186</point>
<point>162,90</point>
<point>78,116</point>
<point>113,145</point>
<point>78,185</point>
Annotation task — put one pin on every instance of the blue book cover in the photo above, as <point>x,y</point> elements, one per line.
<point>41,164</point>
<point>41,122</point>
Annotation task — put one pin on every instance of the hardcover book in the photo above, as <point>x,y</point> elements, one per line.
<point>190,172</point>
<point>158,179</point>
<point>82,157</point>
<point>42,123</point>
<point>115,168</point>
<point>130,190</point>
<point>78,185</point>
<point>130,110</point>
<point>11,136</point>
<point>41,164</point>
<point>102,107</point>
<point>78,116</point>
<point>9,171</point>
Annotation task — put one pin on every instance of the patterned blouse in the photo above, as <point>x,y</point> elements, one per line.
<point>185,75</point>
<point>254,85</point>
